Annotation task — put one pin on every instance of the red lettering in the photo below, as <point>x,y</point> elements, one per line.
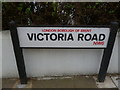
<point>98,43</point>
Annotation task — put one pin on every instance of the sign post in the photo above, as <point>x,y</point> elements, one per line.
<point>18,53</point>
<point>107,52</point>
<point>63,37</point>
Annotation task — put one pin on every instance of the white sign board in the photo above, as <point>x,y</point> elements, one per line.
<point>63,37</point>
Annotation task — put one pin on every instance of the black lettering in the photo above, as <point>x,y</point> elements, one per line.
<point>30,36</point>
<point>70,37</point>
<point>53,35</point>
<point>101,37</point>
<point>65,37</point>
<point>80,36</point>
<point>46,35</point>
<point>94,37</point>
<point>60,36</point>
<point>88,37</point>
<point>38,37</point>
<point>35,36</point>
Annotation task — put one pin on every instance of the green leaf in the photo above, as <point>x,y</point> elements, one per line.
<point>97,3</point>
<point>27,10</point>
<point>53,13</point>
<point>111,12</point>
<point>21,4</point>
<point>19,8</point>
<point>54,5</point>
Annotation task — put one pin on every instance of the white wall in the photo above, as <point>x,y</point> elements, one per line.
<point>119,52</point>
<point>0,61</point>
<point>0,55</point>
<point>46,62</point>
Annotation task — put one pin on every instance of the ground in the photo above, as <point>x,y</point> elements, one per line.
<point>62,82</point>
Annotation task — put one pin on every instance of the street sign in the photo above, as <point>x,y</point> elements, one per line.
<point>63,37</point>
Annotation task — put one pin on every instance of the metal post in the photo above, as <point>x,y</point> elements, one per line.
<point>18,53</point>
<point>107,52</point>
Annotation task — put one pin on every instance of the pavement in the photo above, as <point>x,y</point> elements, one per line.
<point>63,82</point>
